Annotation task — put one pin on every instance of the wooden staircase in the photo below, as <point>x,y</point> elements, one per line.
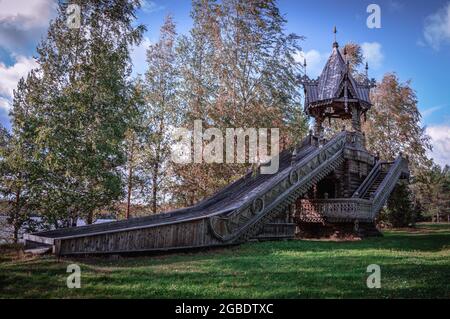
<point>374,186</point>
<point>250,208</point>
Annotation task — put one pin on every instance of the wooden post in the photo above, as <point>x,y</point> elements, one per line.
<point>318,128</point>
<point>356,121</point>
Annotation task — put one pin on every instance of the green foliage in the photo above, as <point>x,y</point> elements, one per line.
<point>19,171</point>
<point>162,112</point>
<point>433,187</point>
<point>149,141</point>
<point>238,70</point>
<point>400,211</point>
<point>394,123</point>
<point>80,110</point>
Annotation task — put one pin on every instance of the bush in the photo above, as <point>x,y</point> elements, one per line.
<point>400,210</point>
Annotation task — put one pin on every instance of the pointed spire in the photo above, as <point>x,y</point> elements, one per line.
<point>305,76</point>
<point>367,73</point>
<point>335,44</point>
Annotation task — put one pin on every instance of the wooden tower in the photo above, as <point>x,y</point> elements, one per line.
<point>336,93</point>
<point>323,187</point>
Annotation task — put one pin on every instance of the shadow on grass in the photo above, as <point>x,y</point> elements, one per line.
<point>398,241</point>
<point>272,277</point>
<point>412,265</point>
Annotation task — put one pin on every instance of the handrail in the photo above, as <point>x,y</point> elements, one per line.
<point>370,179</point>
<point>322,158</point>
<point>358,208</point>
<point>301,163</point>
<point>387,185</point>
<point>336,209</point>
<point>281,198</point>
<point>362,189</point>
<point>327,145</point>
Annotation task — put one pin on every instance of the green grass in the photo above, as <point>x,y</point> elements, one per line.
<point>414,263</point>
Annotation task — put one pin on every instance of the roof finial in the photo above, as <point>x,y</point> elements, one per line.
<point>335,44</point>
<point>367,72</point>
<point>304,66</point>
<point>294,156</point>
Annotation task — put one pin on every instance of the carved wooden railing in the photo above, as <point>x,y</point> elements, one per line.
<point>286,187</point>
<point>355,208</point>
<point>387,186</point>
<point>334,210</point>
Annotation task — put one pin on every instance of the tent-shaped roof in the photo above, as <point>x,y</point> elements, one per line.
<point>332,75</point>
<point>328,85</point>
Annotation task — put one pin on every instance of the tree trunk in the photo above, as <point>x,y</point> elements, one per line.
<point>90,218</point>
<point>16,223</point>
<point>130,179</point>
<point>74,222</point>
<point>16,233</point>
<point>155,185</point>
<point>156,169</point>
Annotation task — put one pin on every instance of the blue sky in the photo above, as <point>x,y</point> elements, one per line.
<point>413,41</point>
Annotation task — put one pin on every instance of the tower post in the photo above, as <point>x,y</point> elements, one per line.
<point>356,119</point>
<point>318,126</point>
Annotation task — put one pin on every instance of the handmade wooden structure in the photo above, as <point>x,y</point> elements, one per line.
<point>321,185</point>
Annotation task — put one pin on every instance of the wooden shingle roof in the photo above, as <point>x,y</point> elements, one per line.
<point>327,86</point>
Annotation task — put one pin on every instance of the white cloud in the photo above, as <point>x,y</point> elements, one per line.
<point>5,104</point>
<point>10,75</point>
<point>373,54</point>
<point>149,6</point>
<point>315,61</point>
<point>26,14</point>
<point>431,110</point>
<point>440,136</point>
<point>22,23</point>
<point>139,56</point>
<point>436,31</point>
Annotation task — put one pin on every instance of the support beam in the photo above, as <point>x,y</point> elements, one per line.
<point>356,119</point>
<point>318,127</point>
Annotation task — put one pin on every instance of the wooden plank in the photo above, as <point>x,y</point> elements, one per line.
<point>39,239</point>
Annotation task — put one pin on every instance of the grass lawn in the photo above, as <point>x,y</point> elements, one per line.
<point>414,263</point>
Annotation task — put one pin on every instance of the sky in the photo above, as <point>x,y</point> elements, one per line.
<point>413,40</point>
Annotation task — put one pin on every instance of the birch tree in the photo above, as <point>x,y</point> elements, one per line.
<point>238,70</point>
<point>160,113</point>
<point>83,110</point>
